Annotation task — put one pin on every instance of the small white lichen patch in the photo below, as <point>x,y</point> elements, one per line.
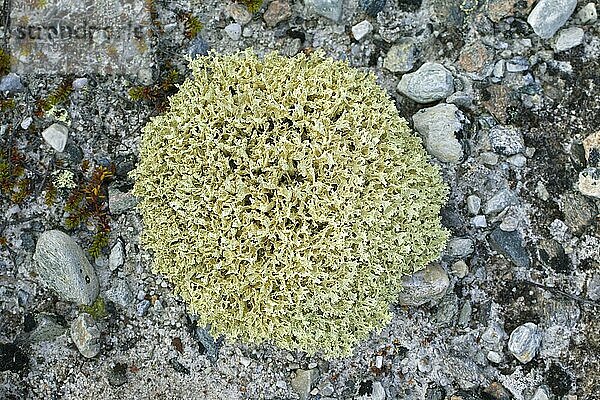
<point>64,179</point>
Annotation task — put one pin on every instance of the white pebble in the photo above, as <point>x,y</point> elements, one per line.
<point>361,30</point>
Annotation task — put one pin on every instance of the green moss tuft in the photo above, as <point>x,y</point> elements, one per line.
<point>97,310</point>
<point>285,199</point>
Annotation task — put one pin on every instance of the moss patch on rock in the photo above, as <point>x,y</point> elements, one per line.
<point>285,198</point>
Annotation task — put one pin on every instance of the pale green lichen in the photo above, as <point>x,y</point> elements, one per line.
<point>285,198</point>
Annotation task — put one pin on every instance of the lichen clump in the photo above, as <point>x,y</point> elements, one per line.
<point>285,198</point>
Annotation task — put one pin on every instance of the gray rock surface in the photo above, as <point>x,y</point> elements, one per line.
<point>439,125</point>
<point>56,135</point>
<point>548,16</point>
<point>524,342</point>
<point>63,266</point>
<point>47,328</point>
<point>423,286</point>
<point>431,82</point>
<point>86,335</point>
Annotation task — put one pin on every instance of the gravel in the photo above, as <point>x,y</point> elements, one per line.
<point>523,180</point>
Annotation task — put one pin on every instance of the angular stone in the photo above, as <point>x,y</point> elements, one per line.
<point>400,57</point>
<point>331,9</point>
<point>362,29</point>
<point>234,31</point>
<point>568,38</point>
<point>431,82</point>
<point>510,244</point>
<point>117,256</point>
<point>56,135</point>
<point>239,13</point>
<point>439,125</point>
<point>277,11</point>
<point>588,14</point>
<point>11,83</point>
<point>86,335</point>
<point>63,266</point>
<point>303,380</point>
<point>424,285</point>
<point>120,202</point>
<point>548,16</point>
<point>579,212</point>
<point>589,182</point>
<point>47,328</point>
<point>459,247</point>
<point>524,342</point>
<point>499,201</point>
<point>591,147</point>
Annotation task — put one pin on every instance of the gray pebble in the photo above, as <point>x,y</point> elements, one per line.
<point>510,244</point>
<point>86,335</point>
<point>473,204</point>
<point>506,140</point>
<point>47,328</point>
<point>568,38</point>
<point>542,393</point>
<point>400,57</point>
<point>517,64</point>
<point>459,247</point>
<point>62,265</point>
<point>120,293</point>
<point>424,285</point>
<point>117,256</point>
<point>234,31</point>
<point>11,83</point>
<point>362,29</point>
<point>431,82</point>
<point>578,211</point>
<point>439,125</point>
<point>303,380</point>
<point>331,9</point>
<point>499,201</point>
<point>548,16</point>
<point>479,221</point>
<point>524,342</point>
<point>142,308</point>
<point>378,392</point>
<point>460,269</point>
<point>588,14</point>
<point>198,47</point>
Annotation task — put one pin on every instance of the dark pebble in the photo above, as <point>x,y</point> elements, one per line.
<point>12,358</point>
<point>510,244</point>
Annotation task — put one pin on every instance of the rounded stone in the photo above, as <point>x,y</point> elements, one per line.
<point>422,286</point>
<point>524,342</point>
<point>63,266</point>
<point>431,82</point>
<point>86,335</point>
